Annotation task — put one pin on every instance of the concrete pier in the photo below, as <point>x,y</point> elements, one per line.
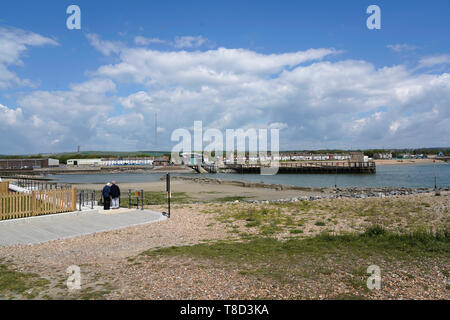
<point>329,167</point>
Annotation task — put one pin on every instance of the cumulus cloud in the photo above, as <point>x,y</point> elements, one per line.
<point>220,66</point>
<point>69,117</point>
<point>10,117</point>
<point>104,46</point>
<point>13,44</point>
<point>316,102</point>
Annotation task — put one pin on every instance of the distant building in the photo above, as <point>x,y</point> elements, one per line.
<point>356,156</point>
<point>18,164</point>
<point>84,162</point>
<point>191,158</point>
<point>127,162</point>
<point>386,155</point>
<point>163,161</point>
<point>110,162</point>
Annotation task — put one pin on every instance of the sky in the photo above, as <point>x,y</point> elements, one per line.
<point>311,69</point>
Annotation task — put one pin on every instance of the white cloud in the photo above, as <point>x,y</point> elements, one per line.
<point>401,47</point>
<point>9,116</point>
<point>434,60</point>
<point>140,98</point>
<point>189,42</point>
<point>317,103</point>
<point>278,125</point>
<point>104,46</point>
<point>13,44</point>
<point>220,66</point>
<point>143,41</point>
<point>94,86</point>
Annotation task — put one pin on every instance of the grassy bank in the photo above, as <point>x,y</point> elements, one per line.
<point>318,258</point>
<point>375,240</point>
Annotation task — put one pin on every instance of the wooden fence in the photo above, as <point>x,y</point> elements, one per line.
<point>4,187</point>
<point>35,203</point>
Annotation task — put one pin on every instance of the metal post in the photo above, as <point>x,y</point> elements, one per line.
<point>129,198</point>
<point>436,190</point>
<point>335,176</point>
<point>168,193</point>
<point>435,178</point>
<point>142,199</point>
<point>79,201</point>
<point>92,199</point>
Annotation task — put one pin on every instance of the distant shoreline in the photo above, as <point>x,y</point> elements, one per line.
<point>404,161</point>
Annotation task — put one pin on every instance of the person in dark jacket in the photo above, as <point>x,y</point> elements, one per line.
<point>106,193</point>
<point>115,195</point>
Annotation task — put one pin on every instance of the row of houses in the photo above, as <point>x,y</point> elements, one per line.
<point>109,162</point>
<point>194,158</point>
<point>385,156</point>
<point>119,162</point>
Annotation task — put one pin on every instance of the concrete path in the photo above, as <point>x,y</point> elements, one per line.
<point>68,225</point>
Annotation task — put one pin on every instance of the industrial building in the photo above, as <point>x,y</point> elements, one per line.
<point>23,164</point>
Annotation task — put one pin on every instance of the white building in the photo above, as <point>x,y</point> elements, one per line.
<point>126,162</point>
<point>109,162</point>
<point>84,162</point>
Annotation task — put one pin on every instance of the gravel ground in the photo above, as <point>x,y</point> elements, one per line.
<point>111,265</point>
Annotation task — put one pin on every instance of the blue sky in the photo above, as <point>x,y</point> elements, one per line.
<point>320,75</point>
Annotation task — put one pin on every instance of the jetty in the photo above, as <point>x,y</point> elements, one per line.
<point>365,167</point>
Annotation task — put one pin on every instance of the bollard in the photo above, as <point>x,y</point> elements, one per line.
<point>92,199</point>
<point>79,201</point>
<point>129,198</point>
<point>142,199</point>
<point>168,193</point>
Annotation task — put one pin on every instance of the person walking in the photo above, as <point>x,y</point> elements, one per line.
<point>106,193</point>
<point>115,195</point>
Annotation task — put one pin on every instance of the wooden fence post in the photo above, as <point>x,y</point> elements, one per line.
<point>74,199</point>
<point>33,203</point>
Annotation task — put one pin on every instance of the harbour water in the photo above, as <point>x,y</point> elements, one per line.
<point>411,176</point>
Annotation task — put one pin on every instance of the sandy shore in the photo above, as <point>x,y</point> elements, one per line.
<point>210,192</point>
<point>404,161</point>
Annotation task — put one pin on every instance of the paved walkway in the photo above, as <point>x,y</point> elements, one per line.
<point>68,225</point>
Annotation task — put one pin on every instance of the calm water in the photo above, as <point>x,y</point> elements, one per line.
<point>412,176</point>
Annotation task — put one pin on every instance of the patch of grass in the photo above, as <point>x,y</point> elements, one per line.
<point>268,220</point>
<point>414,244</point>
<point>296,231</point>
<point>319,223</point>
<point>303,258</point>
<point>14,282</point>
<point>155,198</point>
